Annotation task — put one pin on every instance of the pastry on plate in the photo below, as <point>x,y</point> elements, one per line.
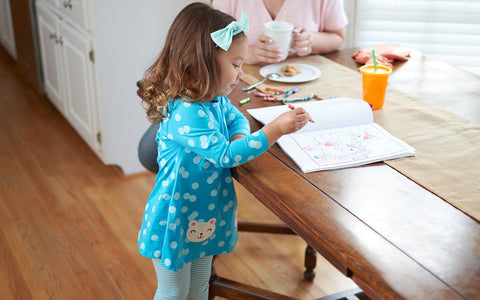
<point>290,70</point>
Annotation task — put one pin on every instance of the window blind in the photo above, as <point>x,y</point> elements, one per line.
<point>446,30</point>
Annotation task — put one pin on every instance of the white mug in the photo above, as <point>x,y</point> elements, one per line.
<point>281,34</point>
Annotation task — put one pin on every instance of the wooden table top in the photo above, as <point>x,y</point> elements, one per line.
<point>434,81</point>
<point>395,239</point>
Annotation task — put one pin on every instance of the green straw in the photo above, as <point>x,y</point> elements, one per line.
<point>374,60</point>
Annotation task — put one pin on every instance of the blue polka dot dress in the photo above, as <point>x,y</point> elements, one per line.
<point>191,212</point>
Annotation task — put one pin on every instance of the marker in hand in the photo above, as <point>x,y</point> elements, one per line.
<point>293,107</point>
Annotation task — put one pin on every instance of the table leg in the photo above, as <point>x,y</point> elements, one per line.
<point>310,263</point>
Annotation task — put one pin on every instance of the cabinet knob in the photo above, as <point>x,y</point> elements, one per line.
<point>53,35</point>
<point>67,4</point>
<point>59,41</point>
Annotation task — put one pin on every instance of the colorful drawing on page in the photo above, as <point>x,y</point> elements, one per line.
<point>343,144</point>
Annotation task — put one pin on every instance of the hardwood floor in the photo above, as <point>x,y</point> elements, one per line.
<point>69,223</point>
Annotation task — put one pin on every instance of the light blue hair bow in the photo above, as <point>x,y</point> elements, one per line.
<point>223,37</point>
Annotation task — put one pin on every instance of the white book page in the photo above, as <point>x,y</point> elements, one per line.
<point>329,113</point>
<point>343,147</point>
<point>343,135</point>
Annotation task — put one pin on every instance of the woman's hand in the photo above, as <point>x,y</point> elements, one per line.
<point>302,41</point>
<point>263,52</point>
<point>288,122</point>
<point>311,42</point>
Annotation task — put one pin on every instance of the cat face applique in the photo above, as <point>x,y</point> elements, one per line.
<point>198,231</point>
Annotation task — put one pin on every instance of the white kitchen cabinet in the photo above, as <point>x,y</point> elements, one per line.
<point>68,72</point>
<point>50,52</point>
<point>54,3</point>
<point>79,83</point>
<point>7,38</point>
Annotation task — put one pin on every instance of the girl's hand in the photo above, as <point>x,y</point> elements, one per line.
<point>286,123</point>
<point>302,41</point>
<point>292,121</point>
<point>263,52</point>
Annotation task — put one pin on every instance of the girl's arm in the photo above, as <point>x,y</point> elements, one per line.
<point>237,136</point>
<point>237,123</point>
<point>190,127</point>
<point>286,123</point>
<point>194,128</point>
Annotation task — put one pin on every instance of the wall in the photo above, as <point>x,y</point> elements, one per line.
<point>350,9</point>
<point>127,37</point>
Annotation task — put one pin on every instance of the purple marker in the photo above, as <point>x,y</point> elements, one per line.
<point>292,91</point>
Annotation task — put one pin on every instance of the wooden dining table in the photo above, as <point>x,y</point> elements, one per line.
<point>392,237</point>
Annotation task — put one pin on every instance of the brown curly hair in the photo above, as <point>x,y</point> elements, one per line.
<point>187,65</point>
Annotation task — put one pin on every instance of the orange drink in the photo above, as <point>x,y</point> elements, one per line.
<point>375,84</point>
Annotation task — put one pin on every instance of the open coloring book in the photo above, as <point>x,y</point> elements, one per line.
<point>343,135</point>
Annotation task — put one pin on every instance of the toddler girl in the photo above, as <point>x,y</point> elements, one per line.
<point>191,213</point>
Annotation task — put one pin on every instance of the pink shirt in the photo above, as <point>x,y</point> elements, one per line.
<point>314,15</point>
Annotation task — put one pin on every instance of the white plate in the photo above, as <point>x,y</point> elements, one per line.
<point>308,73</point>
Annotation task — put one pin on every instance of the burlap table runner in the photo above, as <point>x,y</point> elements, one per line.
<point>447,162</point>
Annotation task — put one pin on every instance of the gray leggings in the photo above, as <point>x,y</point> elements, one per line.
<point>187,283</point>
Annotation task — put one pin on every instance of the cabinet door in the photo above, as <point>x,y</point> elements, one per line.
<point>50,52</point>
<point>54,3</point>
<point>76,10</point>
<point>79,83</point>
<point>7,39</point>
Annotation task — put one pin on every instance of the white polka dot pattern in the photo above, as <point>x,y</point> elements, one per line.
<point>194,185</point>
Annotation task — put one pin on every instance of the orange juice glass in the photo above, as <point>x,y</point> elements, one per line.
<point>375,84</point>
